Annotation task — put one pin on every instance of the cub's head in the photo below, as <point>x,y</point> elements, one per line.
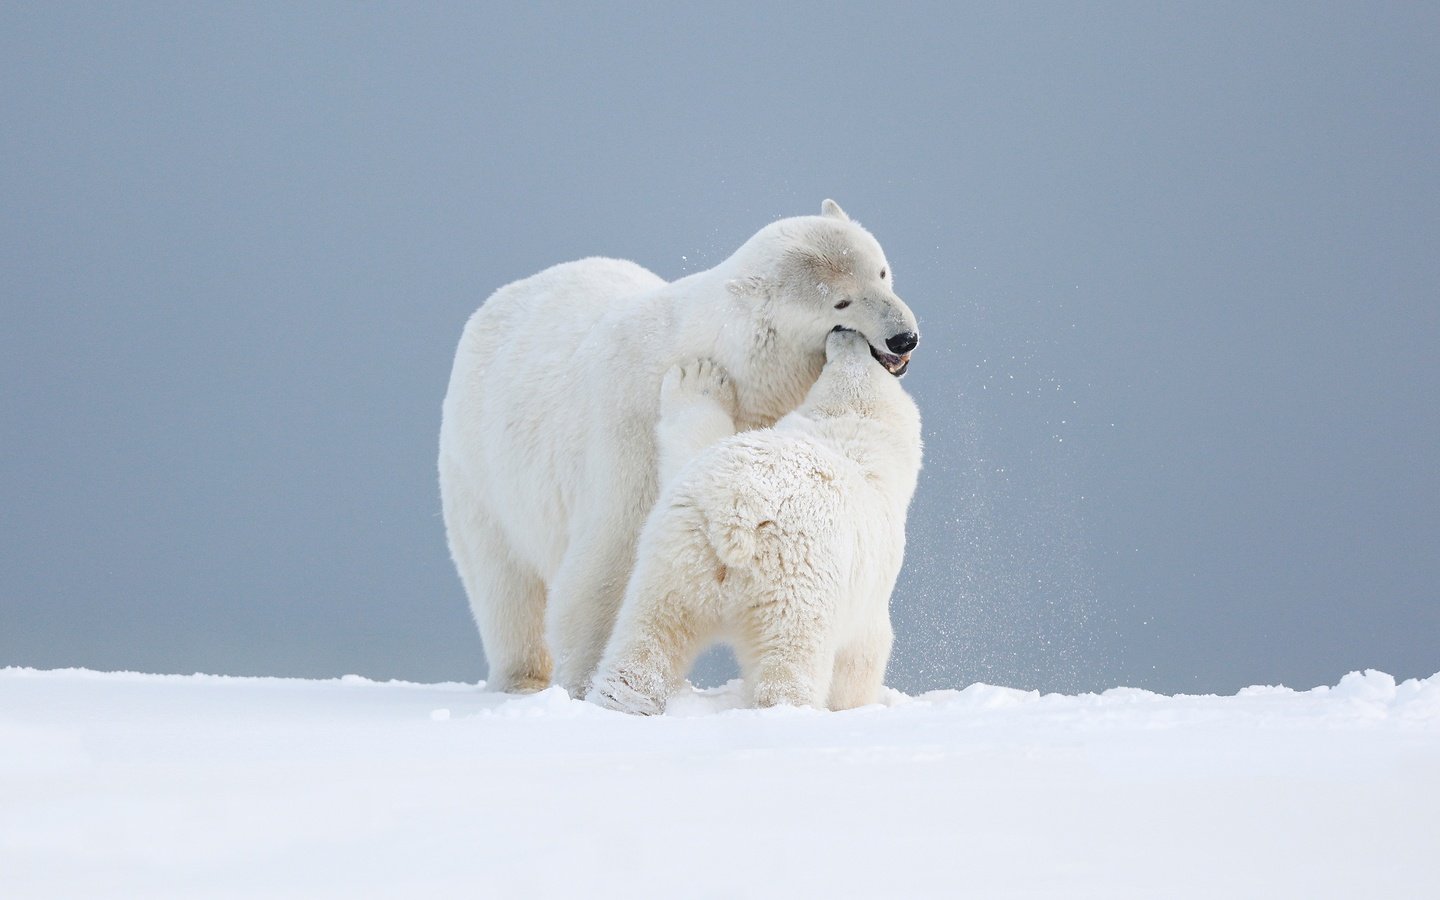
<point>854,383</point>
<point>825,271</point>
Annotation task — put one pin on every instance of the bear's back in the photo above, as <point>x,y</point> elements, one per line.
<point>569,296</point>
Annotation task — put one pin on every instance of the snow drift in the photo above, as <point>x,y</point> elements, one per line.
<point>206,786</point>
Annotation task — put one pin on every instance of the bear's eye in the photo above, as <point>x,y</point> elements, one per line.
<point>842,304</point>
<point>882,274</point>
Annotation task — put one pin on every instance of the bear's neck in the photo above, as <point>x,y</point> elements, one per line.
<point>773,373</point>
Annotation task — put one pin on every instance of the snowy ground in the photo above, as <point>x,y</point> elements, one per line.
<point>122,785</point>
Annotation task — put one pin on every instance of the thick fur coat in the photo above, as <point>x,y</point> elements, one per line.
<point>548,461</point>
<point>785,541</point>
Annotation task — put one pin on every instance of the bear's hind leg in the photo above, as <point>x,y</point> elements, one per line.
<point>860,667</point>
<point>784,647</point>
<point>506,599</point>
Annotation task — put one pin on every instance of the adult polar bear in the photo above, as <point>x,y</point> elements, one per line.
<point>548,461</point>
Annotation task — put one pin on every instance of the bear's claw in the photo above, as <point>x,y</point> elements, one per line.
<point>613,693</point>
<point>697,381</point>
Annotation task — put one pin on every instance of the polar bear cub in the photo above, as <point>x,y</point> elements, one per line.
<point>784,541</point>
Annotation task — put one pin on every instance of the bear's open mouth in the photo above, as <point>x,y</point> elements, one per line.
<point>895,365</point>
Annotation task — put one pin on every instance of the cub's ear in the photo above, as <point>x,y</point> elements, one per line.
<point>832,209</point>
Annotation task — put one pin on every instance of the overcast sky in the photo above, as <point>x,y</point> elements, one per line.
<point>1177,268</point>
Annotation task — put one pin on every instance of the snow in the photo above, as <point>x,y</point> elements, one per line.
<point>126,785</point>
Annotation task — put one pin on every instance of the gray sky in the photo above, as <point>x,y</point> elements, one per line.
<point>1176,269</point>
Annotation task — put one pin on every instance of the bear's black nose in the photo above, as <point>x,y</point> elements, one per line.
<point>903,342</point>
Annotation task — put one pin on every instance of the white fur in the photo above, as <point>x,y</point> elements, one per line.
<point>785,541</point>
<point>548,462</point>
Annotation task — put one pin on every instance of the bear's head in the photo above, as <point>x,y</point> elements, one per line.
<point>820,272</point>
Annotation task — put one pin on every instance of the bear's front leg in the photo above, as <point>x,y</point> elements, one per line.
<point>635,683</point>
<point>697,408</point>
<point>669,610</point>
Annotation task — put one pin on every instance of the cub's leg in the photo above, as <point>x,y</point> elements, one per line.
<point>671,609</point>
<point>784,644</point>
<point>697,408</point>
<point>860,666</point>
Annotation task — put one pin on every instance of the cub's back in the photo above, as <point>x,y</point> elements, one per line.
<point>769,497</point>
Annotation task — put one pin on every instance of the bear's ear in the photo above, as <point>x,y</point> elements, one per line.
<point>832,209</point>
<point>749,286</point>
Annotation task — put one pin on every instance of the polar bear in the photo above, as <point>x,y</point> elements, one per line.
<point>784,541</point>
<point>547,459</point>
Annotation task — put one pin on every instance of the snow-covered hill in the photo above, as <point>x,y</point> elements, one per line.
<point>123,785</point>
